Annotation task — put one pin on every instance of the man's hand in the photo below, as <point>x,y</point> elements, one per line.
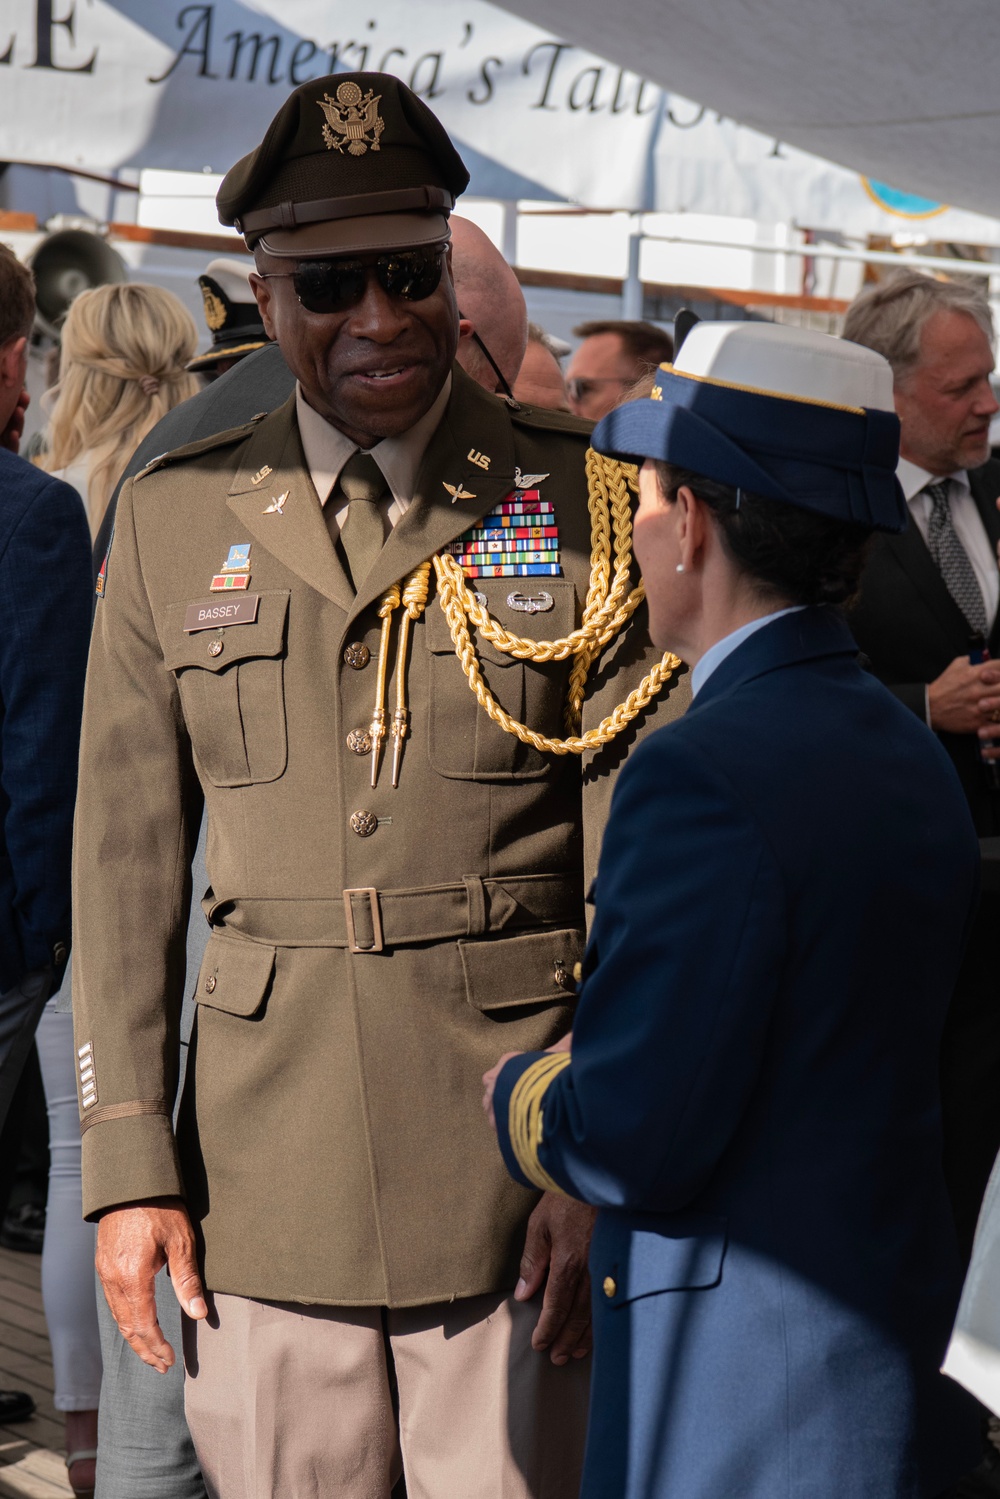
<point>490,1083</point>
<point>133,1243</point>
<point>490,1078</point>
<point>964,696</point>
<point>10,437</point>
<point>557,1242</point>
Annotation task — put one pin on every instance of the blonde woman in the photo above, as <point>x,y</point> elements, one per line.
<point>122,367</point>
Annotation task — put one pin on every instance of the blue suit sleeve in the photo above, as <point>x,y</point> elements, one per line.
<point>45,591</point>
<point>680,979</point>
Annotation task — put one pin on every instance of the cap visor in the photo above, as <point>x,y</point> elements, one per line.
<point>637,430</point>
<point>215,355</point>
<point>377,231</point>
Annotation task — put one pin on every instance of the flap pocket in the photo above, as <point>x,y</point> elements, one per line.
<point>642,1254</point>
<point>550,614</point>
<point>235,975</point>
<point>265,637</point>
<point>536,968</point>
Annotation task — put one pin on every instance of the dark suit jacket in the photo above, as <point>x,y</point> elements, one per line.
<point>45,590</point>
<point>910,627</point>
<point>258,383</point>
<point>786,881</point>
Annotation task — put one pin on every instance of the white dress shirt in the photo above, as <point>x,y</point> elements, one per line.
<point>327,449</point>
<point>965,518</point>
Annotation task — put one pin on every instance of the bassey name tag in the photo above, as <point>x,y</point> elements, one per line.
<point>209,614</point>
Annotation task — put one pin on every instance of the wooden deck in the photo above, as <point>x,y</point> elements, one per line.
<point>31,1452</point>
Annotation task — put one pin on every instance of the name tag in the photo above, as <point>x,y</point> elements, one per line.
<point>209,614</point>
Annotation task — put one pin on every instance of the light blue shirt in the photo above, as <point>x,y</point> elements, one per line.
<point>717,653</point>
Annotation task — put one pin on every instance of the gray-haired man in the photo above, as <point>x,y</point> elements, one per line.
<point>928,619</point>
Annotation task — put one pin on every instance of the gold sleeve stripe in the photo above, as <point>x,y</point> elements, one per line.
<point>107,1111</point>
<point>524,1117</point>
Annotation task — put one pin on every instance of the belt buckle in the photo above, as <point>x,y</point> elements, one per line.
<point>352,940</point>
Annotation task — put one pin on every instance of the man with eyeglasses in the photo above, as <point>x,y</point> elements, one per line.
<point>319,626</point>
<point>928,620</point>
<point>614,354</point>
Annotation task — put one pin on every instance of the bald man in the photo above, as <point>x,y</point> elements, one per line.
<point>491,307</point>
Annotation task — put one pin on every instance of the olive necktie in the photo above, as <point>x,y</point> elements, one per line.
<point>952,559</point>
<point>363,531</point>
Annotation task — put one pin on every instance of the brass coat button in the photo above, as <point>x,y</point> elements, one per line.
<point>359,741</point>
<point>364,823</point>
<point>215,649</point>
<point>59,954</point>
<point>210,983</point>
<point>561,976</point>
<point>357,655</point>
<point>610,1286</point>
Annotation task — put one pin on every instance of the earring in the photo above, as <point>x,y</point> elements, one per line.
<point>681,568</point>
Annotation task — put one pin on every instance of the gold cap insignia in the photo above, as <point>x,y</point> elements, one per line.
<point>215,310</point>
<point>352,120</point>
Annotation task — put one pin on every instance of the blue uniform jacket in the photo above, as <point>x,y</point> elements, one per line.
<point>782,900</point>
<point>45,594</point>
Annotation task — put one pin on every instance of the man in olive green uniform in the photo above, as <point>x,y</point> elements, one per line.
<point>310,624</point>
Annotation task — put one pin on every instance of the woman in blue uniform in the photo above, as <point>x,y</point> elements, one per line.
<point>751,1096</point>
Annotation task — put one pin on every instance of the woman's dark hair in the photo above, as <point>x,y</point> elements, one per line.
<point>785,552</point>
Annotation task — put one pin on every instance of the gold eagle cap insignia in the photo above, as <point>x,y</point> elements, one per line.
<point>352,120</point>
<point>215,310</point>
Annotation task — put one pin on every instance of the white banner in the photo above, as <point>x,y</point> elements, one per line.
<point>113,84</point>
<point>168,83</point>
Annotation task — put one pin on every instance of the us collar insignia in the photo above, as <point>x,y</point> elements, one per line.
<point>276,507</point>
<point>352,120</point>
<point>458,492</point>
<point>261,473</point>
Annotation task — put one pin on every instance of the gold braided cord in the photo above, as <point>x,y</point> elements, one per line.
<point>415,591</point>
<point>608,484</point>
<point>388,603</point>
<point>608,606</point>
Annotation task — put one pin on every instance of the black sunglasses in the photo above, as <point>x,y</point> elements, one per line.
<point>328,286</point>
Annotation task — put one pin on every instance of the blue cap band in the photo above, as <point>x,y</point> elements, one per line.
<point>833,460</point>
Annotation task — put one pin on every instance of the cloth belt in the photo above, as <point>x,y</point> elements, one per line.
<point>368,920</point>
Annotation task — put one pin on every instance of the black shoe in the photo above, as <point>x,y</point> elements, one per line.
<point>24,1228</point>
<point>15,1405</point>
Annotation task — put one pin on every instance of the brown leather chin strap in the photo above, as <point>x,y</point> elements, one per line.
<point>358,206</point>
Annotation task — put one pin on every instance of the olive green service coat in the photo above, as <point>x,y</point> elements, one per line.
<point>331,1142</point>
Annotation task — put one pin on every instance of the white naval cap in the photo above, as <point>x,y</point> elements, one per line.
<point>793,362</point>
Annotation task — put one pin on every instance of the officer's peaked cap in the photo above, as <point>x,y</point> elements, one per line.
<point>782,412</point>
<point>352,161</point>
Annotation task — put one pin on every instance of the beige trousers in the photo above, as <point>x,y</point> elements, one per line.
<point>313,1402</point>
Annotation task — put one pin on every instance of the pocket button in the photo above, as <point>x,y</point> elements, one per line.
<point>364,823</point>
<point>357,655</point>
<point>215,649</point>
<point>210,983</point>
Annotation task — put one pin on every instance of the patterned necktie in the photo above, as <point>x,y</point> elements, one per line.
<point>363,531</point>
<point>952,559</point>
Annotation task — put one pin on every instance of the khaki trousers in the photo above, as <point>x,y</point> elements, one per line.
<point>312,1402</point>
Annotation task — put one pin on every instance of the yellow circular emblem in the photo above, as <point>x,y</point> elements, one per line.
<point>215,310</point>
